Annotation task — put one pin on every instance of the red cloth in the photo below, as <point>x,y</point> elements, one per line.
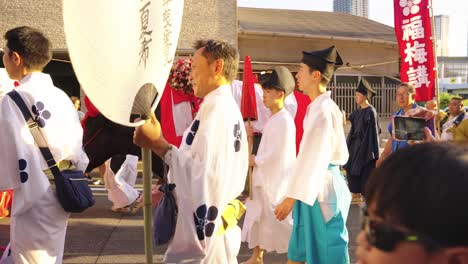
<point>92,111</point>
<point>303,102</point>
<point>413,32</point>
<point>169,98</point>
<point>248,100</point>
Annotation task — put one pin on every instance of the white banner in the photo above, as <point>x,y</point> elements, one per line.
<point>122,51</point>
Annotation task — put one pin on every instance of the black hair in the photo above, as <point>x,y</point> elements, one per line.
<point>424,188</point>
<point>218,49</point>
<point>33,47</point>
<point>272,83</point>
<point>323,80</point>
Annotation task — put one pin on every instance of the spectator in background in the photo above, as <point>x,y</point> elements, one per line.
<point>455,125</point>
<point>405,99</point>
<point>433,105</point>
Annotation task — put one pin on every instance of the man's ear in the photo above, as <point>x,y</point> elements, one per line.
<point>16,58</point>
<point>317,75</point>
<point>456,255</point>
<point>282,94</point>
<point>219,67</point>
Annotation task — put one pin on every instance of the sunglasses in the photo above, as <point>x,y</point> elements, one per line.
<point>385,237</point>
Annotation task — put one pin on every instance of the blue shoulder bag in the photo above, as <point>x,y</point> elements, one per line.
<point>72,188</point>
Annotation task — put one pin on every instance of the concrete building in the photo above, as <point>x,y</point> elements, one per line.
<point>353,7</point>
<point>276,36</point>
<point>202,19</point>
<point>453,75</point>
<point>270,36</point>
<point>442,34</point>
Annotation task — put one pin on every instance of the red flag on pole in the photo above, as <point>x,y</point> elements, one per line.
<point>414,35</point>
<point>248,102</point>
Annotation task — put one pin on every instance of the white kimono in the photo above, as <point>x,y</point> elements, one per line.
<point>6,84</point>
<point>323,143</point>
<point>120,186</point>
<point>209,170</point>
<point>38,222</point>
<point>275,158</point>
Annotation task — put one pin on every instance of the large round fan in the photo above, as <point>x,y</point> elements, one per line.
<point>122,52</point>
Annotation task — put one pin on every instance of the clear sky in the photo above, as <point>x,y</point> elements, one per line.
<point>382,11</point>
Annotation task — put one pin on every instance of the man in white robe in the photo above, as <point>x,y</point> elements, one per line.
<point>317,189</point>
<point>209,168</point>
<point>38,222</point>
<point>272,165</point>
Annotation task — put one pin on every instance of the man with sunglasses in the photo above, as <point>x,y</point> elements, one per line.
<point>414,213</point>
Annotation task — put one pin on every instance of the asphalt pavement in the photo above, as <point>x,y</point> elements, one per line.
<point>102,236</point>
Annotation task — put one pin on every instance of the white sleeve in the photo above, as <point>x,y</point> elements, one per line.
<point>309,173</point>
<point>10,140</point>
<point>206,173</point>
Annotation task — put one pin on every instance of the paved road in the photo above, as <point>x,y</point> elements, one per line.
<point>102,236</point>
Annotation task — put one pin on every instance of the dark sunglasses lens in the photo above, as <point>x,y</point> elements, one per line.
<point>384,237</point>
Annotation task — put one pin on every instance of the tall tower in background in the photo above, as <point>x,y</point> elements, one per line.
<point>353,7</point>
<point>442,33</point>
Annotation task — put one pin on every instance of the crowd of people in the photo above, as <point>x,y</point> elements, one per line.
<point>410,193</point>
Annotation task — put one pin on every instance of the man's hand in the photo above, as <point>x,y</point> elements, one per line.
<point>284,208</point>
<point>429,136</point>
<point>147,135</point>
<point>422,112</point>
<point>252,161</point>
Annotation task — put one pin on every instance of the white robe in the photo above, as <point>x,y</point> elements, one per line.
<point>275,158</point>
<point>38,222</point>
<point>209,170</point>
<point>6,84</point>
<point>323,143</point>
<point>290,104</point>
<point>120,185</point>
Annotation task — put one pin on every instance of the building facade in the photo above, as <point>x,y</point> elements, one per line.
<point>270,36</point>
<point>202,19</point>
<point>442,34</point>
<point>353,7</point>
<point>453,75</point>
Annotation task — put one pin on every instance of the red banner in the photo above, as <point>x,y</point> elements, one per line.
<point>414,35</point>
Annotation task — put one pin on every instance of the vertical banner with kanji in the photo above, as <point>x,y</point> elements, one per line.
<point>414,34</point>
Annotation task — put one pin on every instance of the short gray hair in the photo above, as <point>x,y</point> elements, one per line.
<point>218,49</point>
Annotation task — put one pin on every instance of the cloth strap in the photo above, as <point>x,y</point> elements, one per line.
<point>36,133</point>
